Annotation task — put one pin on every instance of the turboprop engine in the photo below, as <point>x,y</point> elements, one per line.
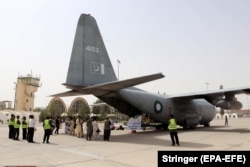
<point>229,105</point>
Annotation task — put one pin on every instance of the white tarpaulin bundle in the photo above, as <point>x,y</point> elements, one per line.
<point>134,123</point>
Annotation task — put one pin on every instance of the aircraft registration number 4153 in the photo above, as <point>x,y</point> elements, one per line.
<point>92,49</point>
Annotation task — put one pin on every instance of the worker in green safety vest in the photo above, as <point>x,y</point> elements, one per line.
<point>47,130</point>
<point>11,122</point>
<point>24,128</point>
<point>16,128</point>
<point>172,127</point>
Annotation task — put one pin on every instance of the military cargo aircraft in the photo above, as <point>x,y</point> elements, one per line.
<point>90,72</point>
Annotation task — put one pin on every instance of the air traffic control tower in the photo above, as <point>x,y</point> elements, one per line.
<point>26,86</point>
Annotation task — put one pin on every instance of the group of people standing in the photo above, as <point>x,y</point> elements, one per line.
<point>74,126</point>
<point>92,129</point>
<point>27,126</point>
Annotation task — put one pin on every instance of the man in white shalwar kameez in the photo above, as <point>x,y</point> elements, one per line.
<point>95,128</point>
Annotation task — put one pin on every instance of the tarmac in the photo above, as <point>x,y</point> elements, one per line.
<point>125,149</point>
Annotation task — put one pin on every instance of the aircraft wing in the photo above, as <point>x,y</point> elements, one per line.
<point>213,95</point>
<point>107,88</point>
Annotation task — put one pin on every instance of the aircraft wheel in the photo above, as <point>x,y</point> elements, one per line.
<point>184,125</point>
<point>207,124</point>
<point>165,127</point>
<point>193,127</point>
<point>158,127</point>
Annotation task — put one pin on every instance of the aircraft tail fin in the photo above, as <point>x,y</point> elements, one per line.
<point>89,64</point>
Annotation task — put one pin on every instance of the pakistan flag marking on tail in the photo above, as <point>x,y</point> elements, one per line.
<point>97,68</point>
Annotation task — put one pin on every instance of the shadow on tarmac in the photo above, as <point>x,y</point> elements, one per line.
<point>224,129</point>
<point>153,138</point>
<point>162,138</point>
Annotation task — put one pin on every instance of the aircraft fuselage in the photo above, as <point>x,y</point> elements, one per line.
<point>188,113</point>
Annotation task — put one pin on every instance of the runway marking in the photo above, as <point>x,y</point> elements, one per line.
<point>94,156</point>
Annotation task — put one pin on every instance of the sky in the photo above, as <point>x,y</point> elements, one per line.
<point>191,42</point>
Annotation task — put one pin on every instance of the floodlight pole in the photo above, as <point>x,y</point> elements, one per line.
<point>207,85</point>
<point>118,63</point>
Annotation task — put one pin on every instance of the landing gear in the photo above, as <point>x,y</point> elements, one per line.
<point>207,124</point>
<point>185,126</point>
<point>158,127</point>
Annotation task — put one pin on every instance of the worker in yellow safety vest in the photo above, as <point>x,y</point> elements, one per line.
<point>11,122</point>
<point>24,128</point>
<point>16,128</point>
<point>172,127</point>
<point>47,130</point>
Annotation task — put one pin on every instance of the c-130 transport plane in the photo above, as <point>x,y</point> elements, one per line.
<point>90,72</point>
